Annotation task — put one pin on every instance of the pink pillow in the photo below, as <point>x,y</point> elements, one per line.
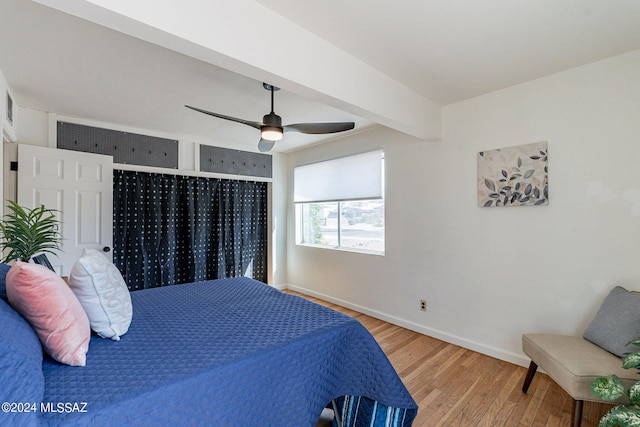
<point>52,309</point>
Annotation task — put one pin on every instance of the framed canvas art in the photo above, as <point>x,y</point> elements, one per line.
<point>513,176</point>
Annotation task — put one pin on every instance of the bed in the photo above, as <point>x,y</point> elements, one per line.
<point>231,352</point>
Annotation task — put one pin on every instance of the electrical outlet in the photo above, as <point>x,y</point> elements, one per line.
<point>423,305</point>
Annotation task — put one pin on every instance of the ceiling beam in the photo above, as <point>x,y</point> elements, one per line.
<point>245,37</point>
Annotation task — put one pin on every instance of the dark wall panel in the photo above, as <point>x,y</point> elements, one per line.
<point>125,147</point>
<point>235,162</point>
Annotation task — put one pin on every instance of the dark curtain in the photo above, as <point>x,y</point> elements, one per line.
<point>172,229</point>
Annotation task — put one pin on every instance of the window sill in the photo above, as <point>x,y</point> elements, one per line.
<point>342,249</point>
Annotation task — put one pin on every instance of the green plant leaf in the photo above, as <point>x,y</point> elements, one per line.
<point>27,232</point>
<point>607,388</point>
<point>621,416</point>
<point>634,394</point>
<point>631,360</point>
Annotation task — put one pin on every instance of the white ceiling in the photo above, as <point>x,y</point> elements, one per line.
<point>450,50</point>
<point>445,51</point>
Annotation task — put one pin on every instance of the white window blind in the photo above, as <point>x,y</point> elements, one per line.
<point>357,177</point>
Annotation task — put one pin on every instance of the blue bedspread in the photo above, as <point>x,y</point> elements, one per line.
<point>231,352</point>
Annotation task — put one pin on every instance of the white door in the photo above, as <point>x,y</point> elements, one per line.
<point>79,186</point>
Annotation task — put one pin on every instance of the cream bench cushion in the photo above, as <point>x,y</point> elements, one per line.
<point>573,363</point>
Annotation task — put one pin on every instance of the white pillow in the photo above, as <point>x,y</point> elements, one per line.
<point>103,294</point>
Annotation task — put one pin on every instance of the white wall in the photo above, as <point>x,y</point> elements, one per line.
<point>491,274</point>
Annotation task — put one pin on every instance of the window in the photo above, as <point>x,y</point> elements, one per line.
<point>340,203</point>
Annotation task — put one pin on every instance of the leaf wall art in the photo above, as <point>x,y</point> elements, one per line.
<point>513,176</point>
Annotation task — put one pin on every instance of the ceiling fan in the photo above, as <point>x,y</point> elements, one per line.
<point>271,128</point>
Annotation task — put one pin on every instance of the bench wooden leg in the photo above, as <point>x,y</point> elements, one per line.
<point>576,417</point>
<point>530,373</point>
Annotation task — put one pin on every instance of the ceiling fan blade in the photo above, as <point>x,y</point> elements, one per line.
<point>319,128</point>
<point>256,125</point>
<point>265,145</point>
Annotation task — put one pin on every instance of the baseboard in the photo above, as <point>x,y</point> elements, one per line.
<point>517,359</point>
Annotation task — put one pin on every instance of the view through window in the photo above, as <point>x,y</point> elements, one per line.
<point>350,224</point>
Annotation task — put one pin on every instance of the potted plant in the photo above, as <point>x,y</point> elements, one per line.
<point>28,232</point>
<point>610,388</point>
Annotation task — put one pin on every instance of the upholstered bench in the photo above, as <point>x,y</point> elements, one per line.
<point>574,362</point>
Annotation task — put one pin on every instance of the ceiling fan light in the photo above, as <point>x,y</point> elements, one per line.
<point>271,133</point>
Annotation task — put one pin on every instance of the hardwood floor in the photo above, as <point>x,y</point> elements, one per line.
<point>454,386</point>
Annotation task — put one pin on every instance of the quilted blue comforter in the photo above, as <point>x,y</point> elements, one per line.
<point>231,352</point>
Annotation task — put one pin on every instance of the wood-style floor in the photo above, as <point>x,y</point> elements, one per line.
<point>454,386</point>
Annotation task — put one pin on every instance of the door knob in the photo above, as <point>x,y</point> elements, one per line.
<point>106,249</point>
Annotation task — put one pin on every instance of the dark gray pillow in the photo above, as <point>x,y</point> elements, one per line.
<point>616,323</point>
